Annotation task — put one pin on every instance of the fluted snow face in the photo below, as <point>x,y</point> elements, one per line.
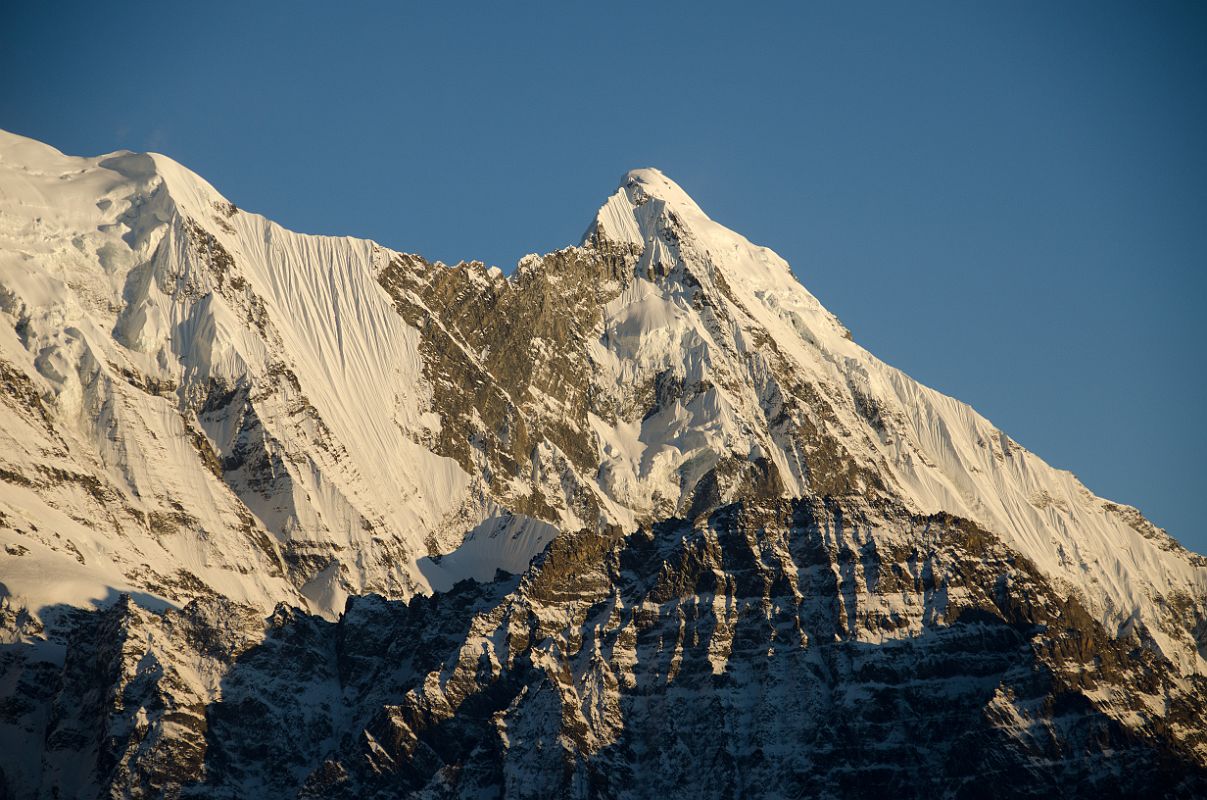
<point>246,399</point>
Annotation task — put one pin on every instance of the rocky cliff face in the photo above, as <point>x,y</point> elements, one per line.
<point>770,649</point>
<point>300,516</point>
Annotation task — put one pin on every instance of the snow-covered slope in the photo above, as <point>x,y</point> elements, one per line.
<point>211,394</point>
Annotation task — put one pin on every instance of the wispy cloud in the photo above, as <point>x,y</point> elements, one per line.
<point>157,138</point>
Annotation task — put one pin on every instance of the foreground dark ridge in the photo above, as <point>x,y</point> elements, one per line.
<point>773,649</point>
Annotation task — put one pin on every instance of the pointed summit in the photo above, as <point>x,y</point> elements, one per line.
<point>649,183</point>
<point>653,213</point>
<point>633,210</point>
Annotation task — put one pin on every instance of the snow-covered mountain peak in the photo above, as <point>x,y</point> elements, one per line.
<point>22,156</point>
<point>705,298</point>
<point>644,203</point>
<point>317,382</point>
<point>653,214</point>
<point>649,183</point>
<point>211,415</point>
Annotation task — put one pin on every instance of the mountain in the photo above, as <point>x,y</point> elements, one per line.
<point>289,515</point>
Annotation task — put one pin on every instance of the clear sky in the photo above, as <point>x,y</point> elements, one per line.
<point>1007,201</point>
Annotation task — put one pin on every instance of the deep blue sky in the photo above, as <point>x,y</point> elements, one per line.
<point>1009,202</point>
